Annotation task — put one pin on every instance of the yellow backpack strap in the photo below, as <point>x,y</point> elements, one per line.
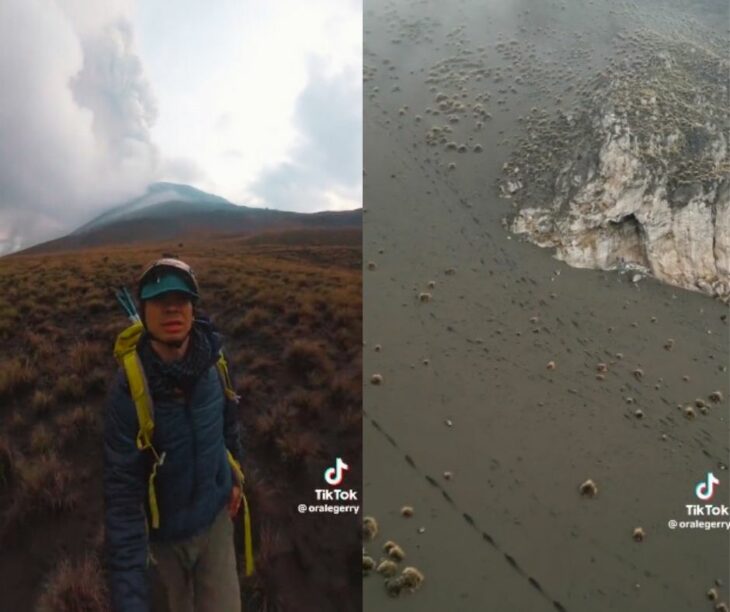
<point>125,350</point>
<point>222,366</point>
<point>231,394</point>
<point>247,538</point>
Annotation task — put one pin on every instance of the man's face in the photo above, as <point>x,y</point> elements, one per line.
<point>169,316</point>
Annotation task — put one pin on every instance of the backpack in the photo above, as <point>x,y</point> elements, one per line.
<point>125,351</point>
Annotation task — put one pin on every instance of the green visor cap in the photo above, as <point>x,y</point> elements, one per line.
<point>165,283</point>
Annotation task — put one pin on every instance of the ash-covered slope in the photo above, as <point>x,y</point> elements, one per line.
<point>642,178</point>
<point>168,211</point>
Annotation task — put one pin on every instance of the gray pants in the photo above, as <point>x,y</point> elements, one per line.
<point>199,573</point>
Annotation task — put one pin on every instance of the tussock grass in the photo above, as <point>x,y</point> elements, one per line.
<point>41,439</point>
<point>84,356</point>
<point>294,447</point>
<point>307,360</point>
<point>75,586</point>
<point>69,387</point>
<point>75,423</point>
<point>16,375</point>
<point>45,486</point>
<point>41,402</point>
<point>7,462</point>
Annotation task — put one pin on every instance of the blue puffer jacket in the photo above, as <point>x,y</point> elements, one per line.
<point>193,484</point>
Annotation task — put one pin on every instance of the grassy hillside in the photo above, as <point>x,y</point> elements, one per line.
<point>290,312</point>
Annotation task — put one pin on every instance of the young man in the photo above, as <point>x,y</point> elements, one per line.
<point>195,490</point>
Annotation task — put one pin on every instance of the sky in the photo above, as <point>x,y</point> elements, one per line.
<point>258,102</point>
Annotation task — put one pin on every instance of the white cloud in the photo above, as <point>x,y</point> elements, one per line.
<point>74,125</point>
<point>234,81</point>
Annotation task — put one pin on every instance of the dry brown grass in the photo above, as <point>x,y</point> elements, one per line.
<point>296,446</point>
<point>16,420</point>
<point>264,496</point>
<point>41,402</point>
<point>84,356</point>
<point>41,439</point>
<point>75,423</point>
<point>41,346</point>
<point>307,361</point>
<point>7,462</point>
<point>307,404</point>
<point>254,319</point>
<point>16,375</point>
<point>290,316</point>
<point>45,485</point>
<point>69,387</point>
<point>75,586</point>
<point>265,425</point>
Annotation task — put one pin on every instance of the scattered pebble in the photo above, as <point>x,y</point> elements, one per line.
<point>716,396</point>
<point>376,379</point>
<point>550,365</point>
<point>589,488</point>
<point>424,296</point>
<point>638,534</point>
<point>368,563</point>
<point>406,511</point>
<point>371,265</point>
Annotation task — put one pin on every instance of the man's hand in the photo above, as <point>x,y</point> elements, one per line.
<point>235,502</point>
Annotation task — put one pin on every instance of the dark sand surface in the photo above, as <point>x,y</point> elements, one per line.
<point>523,437</point>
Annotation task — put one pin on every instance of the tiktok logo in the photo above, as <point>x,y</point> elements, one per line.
<point>334,475</point>
<point>706,489</point>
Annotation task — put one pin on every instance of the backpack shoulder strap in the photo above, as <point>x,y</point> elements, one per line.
<point>230,392</point>
<point>222,366</point>
<point>125,351</point>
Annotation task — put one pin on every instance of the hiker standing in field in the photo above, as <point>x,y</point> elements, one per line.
<point>172,455</point>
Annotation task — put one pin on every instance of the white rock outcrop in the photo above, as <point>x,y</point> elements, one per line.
<point>657,200</point>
